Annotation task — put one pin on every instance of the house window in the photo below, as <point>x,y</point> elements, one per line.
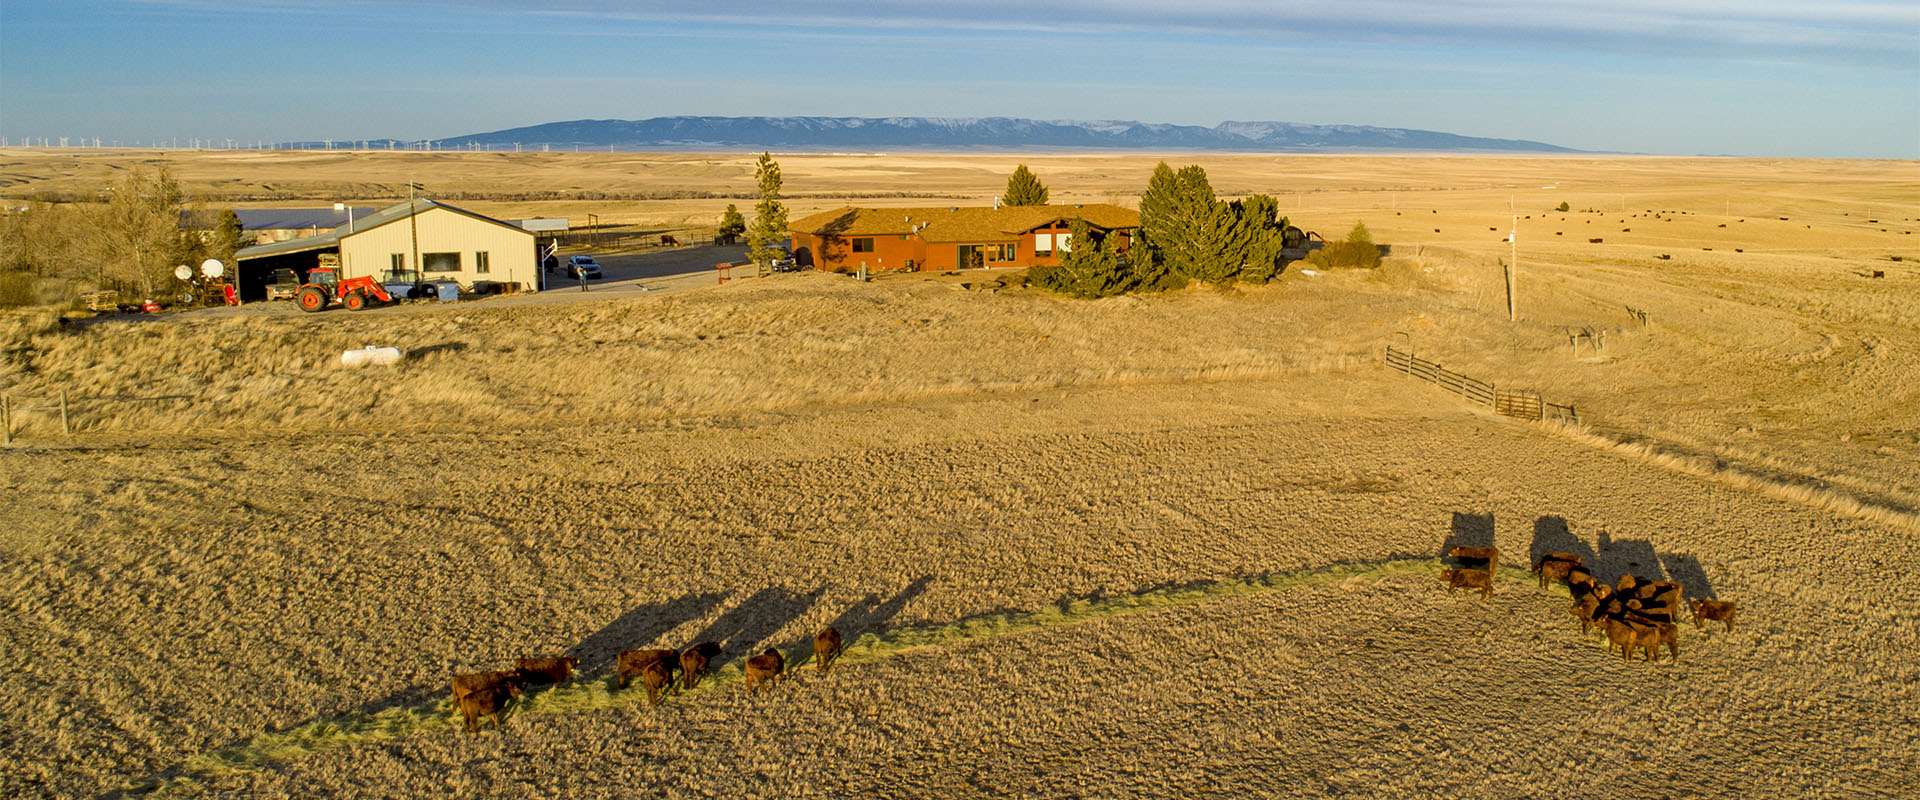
<point>1063,242</point>
<point>1043,244</point>
<point>397,262</point>
<point>440,262</point>
<point>1001,252</point>
<point>480,263</point>
<point>863,245</point>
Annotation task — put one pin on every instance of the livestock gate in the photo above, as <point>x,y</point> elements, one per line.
<point>1519,404</point>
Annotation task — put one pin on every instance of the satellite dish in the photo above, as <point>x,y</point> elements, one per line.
<point>212,268</point>
<point>183,272</point>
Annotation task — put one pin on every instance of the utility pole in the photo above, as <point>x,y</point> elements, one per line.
<point>413,210</point>
<point>1513,266</point>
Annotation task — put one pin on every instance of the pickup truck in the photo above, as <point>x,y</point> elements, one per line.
<point>283,285</point>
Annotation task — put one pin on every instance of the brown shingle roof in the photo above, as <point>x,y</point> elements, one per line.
<point>963,224</point>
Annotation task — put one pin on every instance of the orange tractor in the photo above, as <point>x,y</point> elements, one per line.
<point>324,286</point>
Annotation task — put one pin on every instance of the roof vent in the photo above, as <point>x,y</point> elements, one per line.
<point>1077,205</point>
<point>907,218</point>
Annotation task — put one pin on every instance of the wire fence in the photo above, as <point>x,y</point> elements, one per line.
<point>1521,404</point>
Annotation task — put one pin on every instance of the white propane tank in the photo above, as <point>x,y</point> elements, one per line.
<point>371,355</point>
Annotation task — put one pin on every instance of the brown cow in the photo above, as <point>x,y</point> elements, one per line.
<point>634,662</point>
<point>487,702</point>
<point>1488,555</point>
<point>1588,612</point>
<point>765,669</point>
<point>657,675</point>
<point>464,685</point>
<point>1468,579</point>
<point>826,648</point>
<point>669,241</point>
<point>548,670</point>
<point>1713,609</point>
<point>1556,567</point>
<point>1628,637</point>
<point>694,662</point>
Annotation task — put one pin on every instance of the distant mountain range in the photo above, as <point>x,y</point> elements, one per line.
<point>989,133</point>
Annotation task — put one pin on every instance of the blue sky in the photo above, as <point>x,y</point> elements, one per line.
<point>1741,77</point>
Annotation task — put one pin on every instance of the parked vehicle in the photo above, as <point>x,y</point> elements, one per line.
<point>583,267</point>
<point>283,284</point>
<point>324,286</point>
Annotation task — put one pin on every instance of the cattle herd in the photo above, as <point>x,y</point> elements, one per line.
<point>1634,613</point>
<point>484,695</point>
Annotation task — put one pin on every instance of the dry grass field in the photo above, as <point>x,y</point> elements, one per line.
<point>1169,545</point>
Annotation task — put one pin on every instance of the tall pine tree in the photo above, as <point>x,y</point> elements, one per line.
<point>1024,189</point>
<point>769,216</point>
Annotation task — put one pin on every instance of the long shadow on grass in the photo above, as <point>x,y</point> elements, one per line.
<point>1611,558</point>
<point>641,627</point>
<point>741,630</point>
<point>1468,530</point>
<point>873,614</point>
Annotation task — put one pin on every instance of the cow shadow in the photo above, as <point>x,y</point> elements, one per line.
<point>1685,570</point>
<point>1616,557</point>
<point>640,627</point>
<point>1552,534</point>
<point>1609,558</point>
<point>1468,530</point>
<point>873,613</point>
<point>742,628</point>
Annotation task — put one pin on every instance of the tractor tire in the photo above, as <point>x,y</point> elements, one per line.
<point>356,302</point>
<point>311,298</point>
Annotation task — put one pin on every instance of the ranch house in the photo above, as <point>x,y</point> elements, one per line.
<point>950,238</point>
<point>452,244</point>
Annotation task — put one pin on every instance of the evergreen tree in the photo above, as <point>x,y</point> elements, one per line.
<point>1257,238</point>
<point>769,216</point>
<point>1360,233</point>
<point>732,224</point>
<point>1089,269</point>
<point>227,236</point>
<point>1024,189</point>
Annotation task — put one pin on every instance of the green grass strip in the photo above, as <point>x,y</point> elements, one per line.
<point>400,721</point>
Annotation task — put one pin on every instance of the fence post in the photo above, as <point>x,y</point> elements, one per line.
<point>66,424</point>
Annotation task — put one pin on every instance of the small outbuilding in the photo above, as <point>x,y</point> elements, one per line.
<point>420,240</point>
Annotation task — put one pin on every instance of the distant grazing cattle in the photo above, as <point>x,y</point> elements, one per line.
<point>488,702</point>
<point>1555,567</point>
<point>669,241</point>
<point>826,647</point>
<point>1468,579</point>
<point>694,662</point>
<point>765,669</point>
<point>464,685</point>
<point>1713,609</point>
<point>547,670</point>
<point>1472,556</point>
<point>634,662</point>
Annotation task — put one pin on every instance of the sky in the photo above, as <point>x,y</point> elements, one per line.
<point>1720,77</point>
